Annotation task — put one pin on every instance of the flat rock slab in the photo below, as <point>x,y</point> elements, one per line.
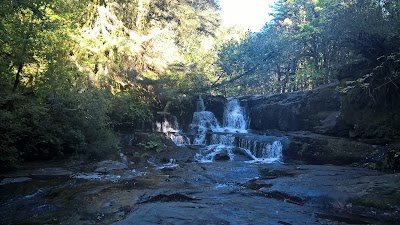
<point>50,173</point>
<point>109,165</point>
<point>227,192</point>
<point>14,180</point>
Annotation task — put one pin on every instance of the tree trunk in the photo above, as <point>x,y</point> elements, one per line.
<point>18,77</point>
<point>20,63</point>
<point>279,73</point>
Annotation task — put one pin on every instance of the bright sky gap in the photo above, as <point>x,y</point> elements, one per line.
<point>250,14</point>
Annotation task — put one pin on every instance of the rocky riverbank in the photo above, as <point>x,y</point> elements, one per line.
<point>183,192</point>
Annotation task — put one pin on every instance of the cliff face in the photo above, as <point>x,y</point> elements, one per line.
<point>317,111</point>
<point>323,125</point>
<point>373,118</point>
<point>326,126</point>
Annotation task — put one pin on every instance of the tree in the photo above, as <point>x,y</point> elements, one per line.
<point>304,52</point>
<point>370,36</point>
<point>67,68</point>
<point>123,41</point>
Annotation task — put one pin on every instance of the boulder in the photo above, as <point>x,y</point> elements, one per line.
<point>223,156</point>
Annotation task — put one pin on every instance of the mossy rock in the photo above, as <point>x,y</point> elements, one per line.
<point>328,150</point>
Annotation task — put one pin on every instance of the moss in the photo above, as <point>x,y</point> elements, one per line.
<point>392,160</point>
<point>348,151</point>
<point>385,199</point>
<point>152,142</point>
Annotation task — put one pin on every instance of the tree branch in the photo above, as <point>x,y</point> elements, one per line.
<point>235,78</point>
<point>251,70</point>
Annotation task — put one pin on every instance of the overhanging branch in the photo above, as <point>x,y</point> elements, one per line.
<point>235,78</point>
<point>248,72</point>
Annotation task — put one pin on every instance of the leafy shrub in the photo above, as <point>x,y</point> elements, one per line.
<point>128,108</point>
<point>83,123</point>
<point>46,125</point>
<point>152,142</point>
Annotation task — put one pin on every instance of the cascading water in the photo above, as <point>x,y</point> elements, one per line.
<point>234,119</point>
<point>262,151</point>
<point>219,144</point>
<point>233,135</point>
<point>203,121</point>
<point>200,104</point>
<point>172,131</point>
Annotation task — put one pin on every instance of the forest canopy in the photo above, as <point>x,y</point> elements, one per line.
<point>73,72</point>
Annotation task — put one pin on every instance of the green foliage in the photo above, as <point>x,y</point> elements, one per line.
<point>392,160</point>
<point>127,108</point>
<point>152,143</point>
<point>122,42</point>
<point>71,71</point>
<point>83,125</point>
<point>48,125</point>
<point>313,43</point>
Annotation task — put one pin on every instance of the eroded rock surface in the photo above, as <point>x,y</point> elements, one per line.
<point>109,165</point>
<point>227,192</point>
<point>316,110</point>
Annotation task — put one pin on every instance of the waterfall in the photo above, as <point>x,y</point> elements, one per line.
<point>234,118</point>
<point>166,126</point>
<point>232,137</point>
<point>202,122</point>
<point>200,104</point>
<point>262,151</point>
<point>223,139</point>
<point>172,131</point>
<point>219,144</point>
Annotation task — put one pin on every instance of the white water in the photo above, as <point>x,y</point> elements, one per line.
<point>172,131</point>
<point>205,121</point>
<point>200,105</point>
<point>219,140</point>
<point>202,122</point>
<point>234,117</point>
<point>225,139</point>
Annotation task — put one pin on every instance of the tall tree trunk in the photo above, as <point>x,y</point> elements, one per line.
<point>20,64</point>
<point>18,76</point>
<point>279,73</point>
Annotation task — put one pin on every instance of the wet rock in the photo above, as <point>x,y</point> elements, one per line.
<point>50,173</point>
<point>109,165</point>
<point>223,156</point>
<point>254,185</point>
<point>283,197</point>
<point>294,196</point>
<point>14,180</point>
<point>346,219</point>
<point>176,197</point>
<point>272,174</point>
<point>318,149</point>
<point>241,152</point>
